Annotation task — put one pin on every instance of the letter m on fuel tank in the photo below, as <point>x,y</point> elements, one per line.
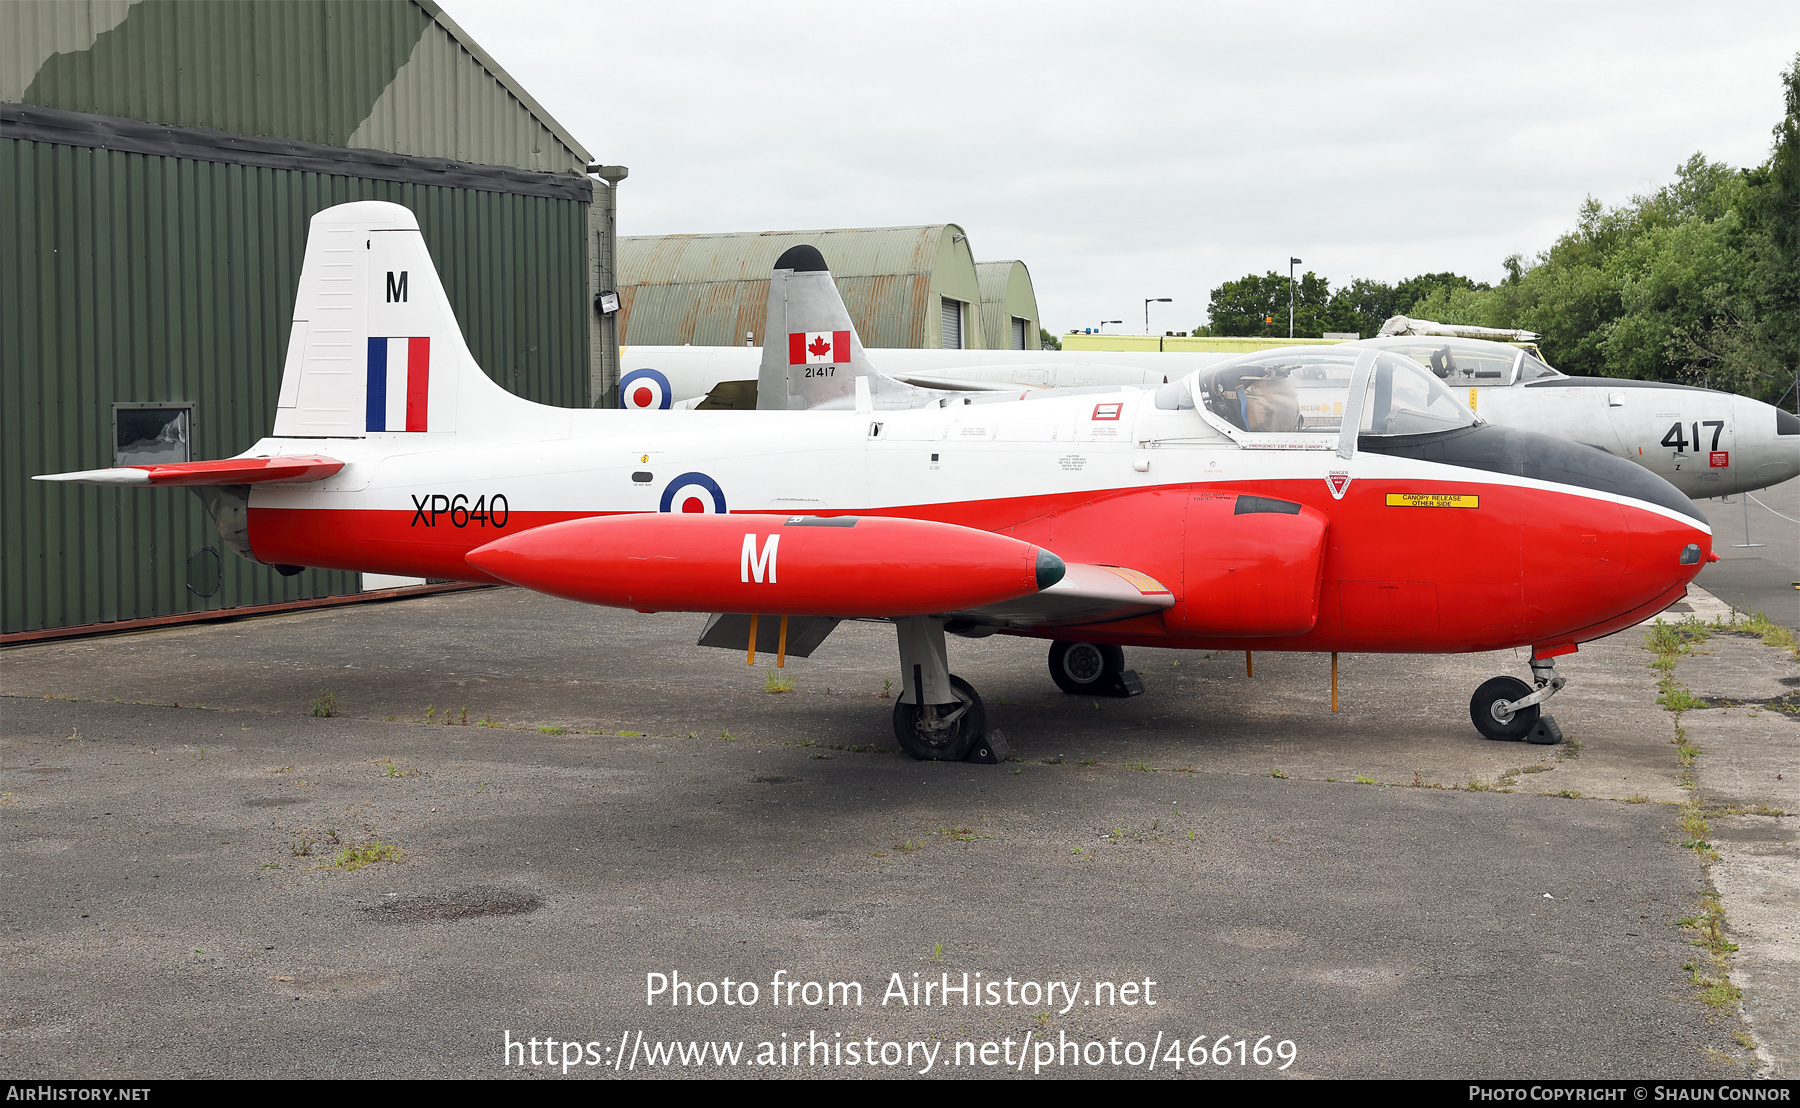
<point>751,565</point>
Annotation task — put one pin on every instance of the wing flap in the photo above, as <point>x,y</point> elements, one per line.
<point>293,468</point>
<point>1086,594</point>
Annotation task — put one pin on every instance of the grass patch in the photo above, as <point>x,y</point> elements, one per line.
<point>962,834</point>
<point>1141,767</point>
<point>1568,794</point>
<point>1278,773</point>
<point>390,769</point>
<point>356,857</point>
<point>326,706</point>
<point>1676,698</point>
<point>1361,780</point>
<point>1771,633</point>
<point>547,730</point>
<point>1709,975</point>
<point>774,681</point>
<point>728,736</point>
<point>908,846</point>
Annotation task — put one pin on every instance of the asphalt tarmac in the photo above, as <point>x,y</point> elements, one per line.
<point>580,799</point>
<point>1759,551</point>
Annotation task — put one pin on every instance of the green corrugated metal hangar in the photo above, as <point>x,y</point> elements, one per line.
<point>159,163</point>
<point>1009,319</point>
<point>905,287</point>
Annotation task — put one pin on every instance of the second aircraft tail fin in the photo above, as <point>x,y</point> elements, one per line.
<point>812,355</point>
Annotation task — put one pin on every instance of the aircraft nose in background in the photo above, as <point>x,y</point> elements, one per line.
<point>1767,443</point>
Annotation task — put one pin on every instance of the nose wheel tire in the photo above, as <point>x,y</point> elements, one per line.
<point>1488,719</point>
<point>949,742</point>
<point>1085,668</point>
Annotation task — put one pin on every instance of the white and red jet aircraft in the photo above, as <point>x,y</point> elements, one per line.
<point>1316,499</point>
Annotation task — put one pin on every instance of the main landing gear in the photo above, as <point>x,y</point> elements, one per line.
<point>1092,669</point>
<point>1507,709</point>
<point>938,717</point>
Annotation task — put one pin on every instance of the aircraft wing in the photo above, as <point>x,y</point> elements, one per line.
<point>229,471</point>
<point>1086,594</point>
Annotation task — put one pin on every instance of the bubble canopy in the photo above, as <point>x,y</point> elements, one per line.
<point>1306,391</point>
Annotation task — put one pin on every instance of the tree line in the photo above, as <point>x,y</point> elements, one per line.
<point>1697,282</point>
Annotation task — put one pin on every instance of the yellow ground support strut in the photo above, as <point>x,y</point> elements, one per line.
<point>1334,680</point>
<point>780,644</point>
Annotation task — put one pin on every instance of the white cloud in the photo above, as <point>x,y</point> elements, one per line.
<point>1133,150</point>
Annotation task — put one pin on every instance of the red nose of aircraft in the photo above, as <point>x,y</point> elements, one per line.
<point>1587,565</point>
<point>794,565</point>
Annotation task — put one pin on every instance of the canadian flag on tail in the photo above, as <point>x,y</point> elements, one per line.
<point>818,347</point>
<point>399,386</point>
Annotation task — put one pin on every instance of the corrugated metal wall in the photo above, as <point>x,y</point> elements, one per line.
<point>710,290</point>
<point>1006,292</point>
<point>382,74</point>
<point>132,277</point>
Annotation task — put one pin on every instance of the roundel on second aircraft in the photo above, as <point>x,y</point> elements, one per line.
<point>693,493</point>
<point>644,389</point>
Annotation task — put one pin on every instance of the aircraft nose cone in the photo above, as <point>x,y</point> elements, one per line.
<point>1050,569</point>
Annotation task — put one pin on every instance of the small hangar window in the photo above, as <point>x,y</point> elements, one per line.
<point>953,324</point>
<point>148,434</point>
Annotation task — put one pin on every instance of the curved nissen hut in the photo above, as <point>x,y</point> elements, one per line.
<point>1009,312</point>
<point>906,287</point>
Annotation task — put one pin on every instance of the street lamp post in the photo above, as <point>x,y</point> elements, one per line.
<point>1292,262</point>
<point>1150,301</point>
<point>1104,322</point>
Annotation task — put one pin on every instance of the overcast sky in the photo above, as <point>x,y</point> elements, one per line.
<point>1133,150</point>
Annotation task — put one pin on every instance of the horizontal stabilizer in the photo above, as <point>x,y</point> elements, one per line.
<point>961,384</point>
<point>229,471</point>
<point>1086,594</point>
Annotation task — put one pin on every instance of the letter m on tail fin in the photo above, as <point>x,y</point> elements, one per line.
<point>751,565</point>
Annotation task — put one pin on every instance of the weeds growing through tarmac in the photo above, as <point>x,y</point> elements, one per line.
<point>326,706</point>
<point>356,857</point>
<point>774,681</point>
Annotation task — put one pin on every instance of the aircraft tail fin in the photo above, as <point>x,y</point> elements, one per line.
<point>812,355</point>
<point>375,347</point>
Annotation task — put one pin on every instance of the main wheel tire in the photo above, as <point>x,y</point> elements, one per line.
<point>951,745</point>
<point>1085,668</point>
<point>1501,690</point>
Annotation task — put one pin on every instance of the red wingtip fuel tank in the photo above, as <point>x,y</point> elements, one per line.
<point>795,565</point>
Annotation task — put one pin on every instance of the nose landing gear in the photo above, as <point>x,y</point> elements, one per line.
<point>1506,709</point>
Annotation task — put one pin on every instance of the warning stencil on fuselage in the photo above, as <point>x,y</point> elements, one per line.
<point>1433,500</point>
